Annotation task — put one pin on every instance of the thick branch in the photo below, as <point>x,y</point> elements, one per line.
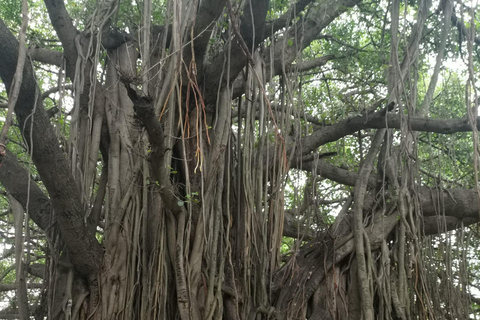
<point>84,249</point>
<point>252,28</point>
<point>66,32</point>
<point>442,209</point>
<point>207,13</point>
<point>458,203</point>
<point>145,112</point>
<point>329,171</point>
<point>10,287</point>
<point>36,269</point>
<point>318,255</point>
<point>14,178</point>
<point>287,17</point>
<point>292,227</point>
<point>378,120</point>
<point>47,56</point>
<point>445,209</point>
<point>317,19</point>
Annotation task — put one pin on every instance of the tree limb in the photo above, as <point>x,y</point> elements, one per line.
<point>308,29</point>
<point>14,178</point>
<point>48,56</point>
<point>379,120</point>
<point>66,31</point>
<point>330,171</point>
<point>284,20</point>
<point>309,64</point>
<point>252,26</point>
<point>10,287</point>
<point>207,13</point>
<point>83,247</point>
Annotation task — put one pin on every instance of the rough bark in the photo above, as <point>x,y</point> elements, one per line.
<point>84,249</point>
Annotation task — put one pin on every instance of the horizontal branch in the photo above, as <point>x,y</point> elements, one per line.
<point>330,171</point>
<point>13,286</point>
<point>48,56</point>
<point>56,89</point>
<point>310,64</point>
<point>379,120</point>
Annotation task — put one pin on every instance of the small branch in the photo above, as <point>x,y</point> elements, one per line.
<point>56,89</point>
<point>332,38</point>
<point>66,31</point>
<point>309,64</point>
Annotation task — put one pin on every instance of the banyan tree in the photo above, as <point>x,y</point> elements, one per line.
<point>239,159</point>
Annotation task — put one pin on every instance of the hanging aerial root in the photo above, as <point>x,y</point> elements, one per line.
<point>193,86</point>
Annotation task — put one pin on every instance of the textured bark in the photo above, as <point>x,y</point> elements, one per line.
<point>84,249</point>
<point>380,120</point>
<point>14,178</point>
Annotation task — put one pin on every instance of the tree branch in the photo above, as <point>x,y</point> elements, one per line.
<point>316,19</point>
<point>465,33</point>
<point>330,171</point>
<point>252,28</point>
<point>284,54</point>
<point>309,64</point>
<point>379,120</point>
<point>14,178</point>
<point>47,56</point>
<point>66,31</point>
<point>207,13</point>
<point>287,17</point>
<point>83,247</point>
<point>56,89</point>
<point>10,287</point>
